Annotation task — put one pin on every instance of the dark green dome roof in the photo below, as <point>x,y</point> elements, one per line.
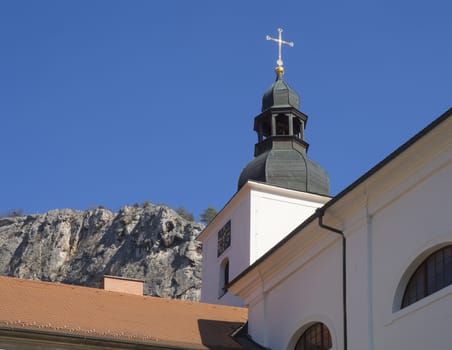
<point>288,168</point>
<point>280,94</point>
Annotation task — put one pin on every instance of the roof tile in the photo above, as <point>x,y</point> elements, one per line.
<point>74,310</point>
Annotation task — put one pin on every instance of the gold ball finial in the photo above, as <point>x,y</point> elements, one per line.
<point>279,70</point>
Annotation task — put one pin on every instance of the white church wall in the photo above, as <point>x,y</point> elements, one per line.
<point>412,226</point>
<point>210,278</point>
<point>312,294</point>
<point>256,312</point>
<point>237,253</point>
<point>260,216</point>
<point>307,291</point>
<point>358,287</point>
<point>319,300</point>
<point>422,327</point>
<point>240,243</point>
<point>394,221</point>
<point>274,215</point>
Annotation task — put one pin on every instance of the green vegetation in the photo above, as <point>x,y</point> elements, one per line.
<point>185,214</point>
<point>208,214</point>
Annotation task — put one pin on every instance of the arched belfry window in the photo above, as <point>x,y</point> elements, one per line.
<point>224,276</point>
<point>282,125</point>
<point>316,337</point>
<point>433,274</point>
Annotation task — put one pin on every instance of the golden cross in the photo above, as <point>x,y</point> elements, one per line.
<point>280,42</point>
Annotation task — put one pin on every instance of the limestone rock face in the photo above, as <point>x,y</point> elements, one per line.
<point>78,247</point>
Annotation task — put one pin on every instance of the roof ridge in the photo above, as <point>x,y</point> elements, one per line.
<point>100,290</point>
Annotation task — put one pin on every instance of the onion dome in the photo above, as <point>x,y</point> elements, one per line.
<point>281,152</point>
<point>280,94</point>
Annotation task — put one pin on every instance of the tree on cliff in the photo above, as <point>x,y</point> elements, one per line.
<point>207,215</point>
<point>185,214</point>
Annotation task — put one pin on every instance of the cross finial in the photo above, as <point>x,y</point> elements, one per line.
<point>280,42</point>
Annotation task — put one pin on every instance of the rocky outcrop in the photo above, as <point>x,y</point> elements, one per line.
<point>78,247</point>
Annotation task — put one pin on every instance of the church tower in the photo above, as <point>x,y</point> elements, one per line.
<point>277,190</point>
<point>281,152</point>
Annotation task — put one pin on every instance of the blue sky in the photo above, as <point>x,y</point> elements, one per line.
<point>118,102</point>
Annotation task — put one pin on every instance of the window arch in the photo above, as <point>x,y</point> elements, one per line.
<point>316,337</point>
<point>224,277</point>
<point>433,274</point>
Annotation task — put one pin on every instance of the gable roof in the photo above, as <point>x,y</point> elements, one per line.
<point>67,311</point>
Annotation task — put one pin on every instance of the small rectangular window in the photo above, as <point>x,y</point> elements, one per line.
<point>224,238</point>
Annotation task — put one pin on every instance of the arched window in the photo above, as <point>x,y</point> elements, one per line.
<point>434,273</point>
<point>224,276</point>
<point>316,337</point>
<point>282,124</point>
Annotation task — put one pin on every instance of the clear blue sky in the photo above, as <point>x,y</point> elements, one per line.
<point>117,102</point>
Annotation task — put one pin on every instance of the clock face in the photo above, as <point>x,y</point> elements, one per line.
<point>224,238</point>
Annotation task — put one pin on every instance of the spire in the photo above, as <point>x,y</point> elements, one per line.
<point>281,152</point>
<point>280,94</point>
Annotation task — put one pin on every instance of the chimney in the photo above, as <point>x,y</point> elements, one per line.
<point>123,285</point>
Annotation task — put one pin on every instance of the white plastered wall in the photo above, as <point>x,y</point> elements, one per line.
<point>414,225</point>
<point>237,253</point>
<point>404,214</point>
<point>309,294</point>
<point>274,215</point>
<point>260,215</point>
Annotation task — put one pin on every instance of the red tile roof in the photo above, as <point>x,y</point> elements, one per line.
<point>67,310</point>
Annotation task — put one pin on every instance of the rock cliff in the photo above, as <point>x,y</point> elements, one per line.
<point>78,247</point>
